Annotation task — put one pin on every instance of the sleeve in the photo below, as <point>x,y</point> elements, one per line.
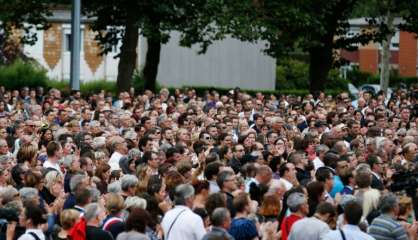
<point>400,234</point>
<point>284,229</point>
<point>199,228</point>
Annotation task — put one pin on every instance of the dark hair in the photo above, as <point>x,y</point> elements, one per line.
<point>82,196</point>
<point>154,184</point>
<point>315,190</point>
<point>200,185</point>
<point>241,201</point>
<point>34,213</point>
<point>214,201</point>
<point>353,212</point>
<point>363,179</point>
<point>51,148</point>
<point>212,169</point>
<point>322,174</point>
<point>326,208</point>
<point>137,220</point>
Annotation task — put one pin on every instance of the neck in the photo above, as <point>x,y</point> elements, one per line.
<point>200,199</point>
<point>298,213</point>
<point>93,223</point>
<point>241,215</point>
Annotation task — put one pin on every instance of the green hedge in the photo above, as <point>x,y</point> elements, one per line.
<point>294,74</point>
<point>20,74</point>
<point>86,88</point>
<point>359,78</point>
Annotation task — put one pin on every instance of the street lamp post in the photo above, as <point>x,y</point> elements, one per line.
<point>75,43</point>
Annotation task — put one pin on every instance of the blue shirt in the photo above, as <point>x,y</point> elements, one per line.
<point>243,229</point>
<point>338,186</point>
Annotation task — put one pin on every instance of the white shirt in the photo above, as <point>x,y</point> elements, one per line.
<point>49,164</point>
<point>213,187</point>
<point>187,226</point>
<point>288,185</point>
<point>351,232</point>
<point>114,161</point>
<point>315,231</point>
<point>247,185</point>
<point>318,163</point>
<point>27,236</point>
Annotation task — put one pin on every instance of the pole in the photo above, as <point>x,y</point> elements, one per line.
<point>75,43</point>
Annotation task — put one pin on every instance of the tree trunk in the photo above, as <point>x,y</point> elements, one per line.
<point>151,62</point>
<point>127,61</point>
<point>320,63</point>
<point>385,61</point>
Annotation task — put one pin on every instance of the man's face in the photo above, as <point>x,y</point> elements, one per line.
<point>291,172</point>
<point>4,149</point>
<point>405,114</point>
<point>239,151</point>
<point>341,167</point>
<point>230,183</point>
<point>355,129</point>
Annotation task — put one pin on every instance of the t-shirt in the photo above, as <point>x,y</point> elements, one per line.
<point>287,225</point>
<point>316,230</point>
<point>243,229</point>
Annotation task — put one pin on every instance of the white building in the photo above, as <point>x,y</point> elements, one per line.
<point>227,63</point>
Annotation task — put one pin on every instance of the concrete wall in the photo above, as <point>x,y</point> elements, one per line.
<point>227,63</point>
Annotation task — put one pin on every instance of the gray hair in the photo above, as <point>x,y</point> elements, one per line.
<point>128,181</point>
<point>322,148</point>
<point>8,193</point>
<point>133,153</point>
<point>4,158</point>
<point>388,203</point>
<point>75,181</point>
<point>95,194</point>
<point>114,187</point>
<point>222,177</point>
<point>295,200</point>
<point>28,194</point>
<point>135,202</point>
<point>219,216</point>
<point>92,210</point>
<point>182,192</point>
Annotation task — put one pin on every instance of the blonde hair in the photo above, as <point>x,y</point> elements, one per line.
<point>68,218</point>
<point>52,177</point>
<point>114,203</point>
<point>27,153</point>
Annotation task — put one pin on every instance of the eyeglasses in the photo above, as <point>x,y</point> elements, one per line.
<point>240,150</point>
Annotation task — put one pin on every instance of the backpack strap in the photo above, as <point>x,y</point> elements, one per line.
<point>171,226</point>
<point>34,235</point>
<point>342,234</point>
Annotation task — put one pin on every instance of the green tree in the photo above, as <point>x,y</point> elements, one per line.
<point>317,27</point>
<point>125,20</point>
<point>18,20</point>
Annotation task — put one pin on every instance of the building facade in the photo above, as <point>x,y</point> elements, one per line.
<point>403,50</point>
<point>227,63</point>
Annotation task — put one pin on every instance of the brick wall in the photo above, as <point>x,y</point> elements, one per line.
<point>91,50</point>
<point>369,58</point>
<point>407,54</point>
<point>52,45</point>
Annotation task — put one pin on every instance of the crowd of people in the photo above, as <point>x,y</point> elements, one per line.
<point>217,166</point>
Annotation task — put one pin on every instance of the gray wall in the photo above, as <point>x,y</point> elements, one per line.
<point>227,63</point>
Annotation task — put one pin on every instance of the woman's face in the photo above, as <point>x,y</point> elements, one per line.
<point>48,135</point>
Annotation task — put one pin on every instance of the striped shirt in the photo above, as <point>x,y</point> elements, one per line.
<point>385,227</point>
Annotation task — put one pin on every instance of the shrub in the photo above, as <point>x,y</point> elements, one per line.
<point>294,74</point>
<point>19,74</point>
<point>359,78</point>
<point>91,87</point>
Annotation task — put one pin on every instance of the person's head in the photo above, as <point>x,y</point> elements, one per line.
<point>212,170</point>
<point>32,216</point>
<point>53,181</point>
<point>227,181</point>
<point>264,174</point>
<point>405,206</point>
<point>316,191</point>
<point>242,203</point>
<point>327,212</point>
<point>353,212</point>
<point>324,175</point>
<point>29,196</point>
<point>77,182</point>
<point>410,151</point>
<point>287,171</point>
<point>137,220</point>
<point>215,200</point>
<point>83,196</point>
<point>270,205</point>
<point>68,218</point>
<point>27,153</point>
<point>389,204</point>
<point>297,203</point>
<point>94,214</point>
<point>128,184</point>
<point>363,178</point>
<point>114,203</point>
<point>375,163</point>
<point>221,217</point>
<point>238,151</point>
<point>53,150</point>
<point>184,195</point>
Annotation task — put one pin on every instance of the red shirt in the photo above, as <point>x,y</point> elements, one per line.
<point>287,224</point>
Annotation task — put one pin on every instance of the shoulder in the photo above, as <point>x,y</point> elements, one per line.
<point>335,234</point>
